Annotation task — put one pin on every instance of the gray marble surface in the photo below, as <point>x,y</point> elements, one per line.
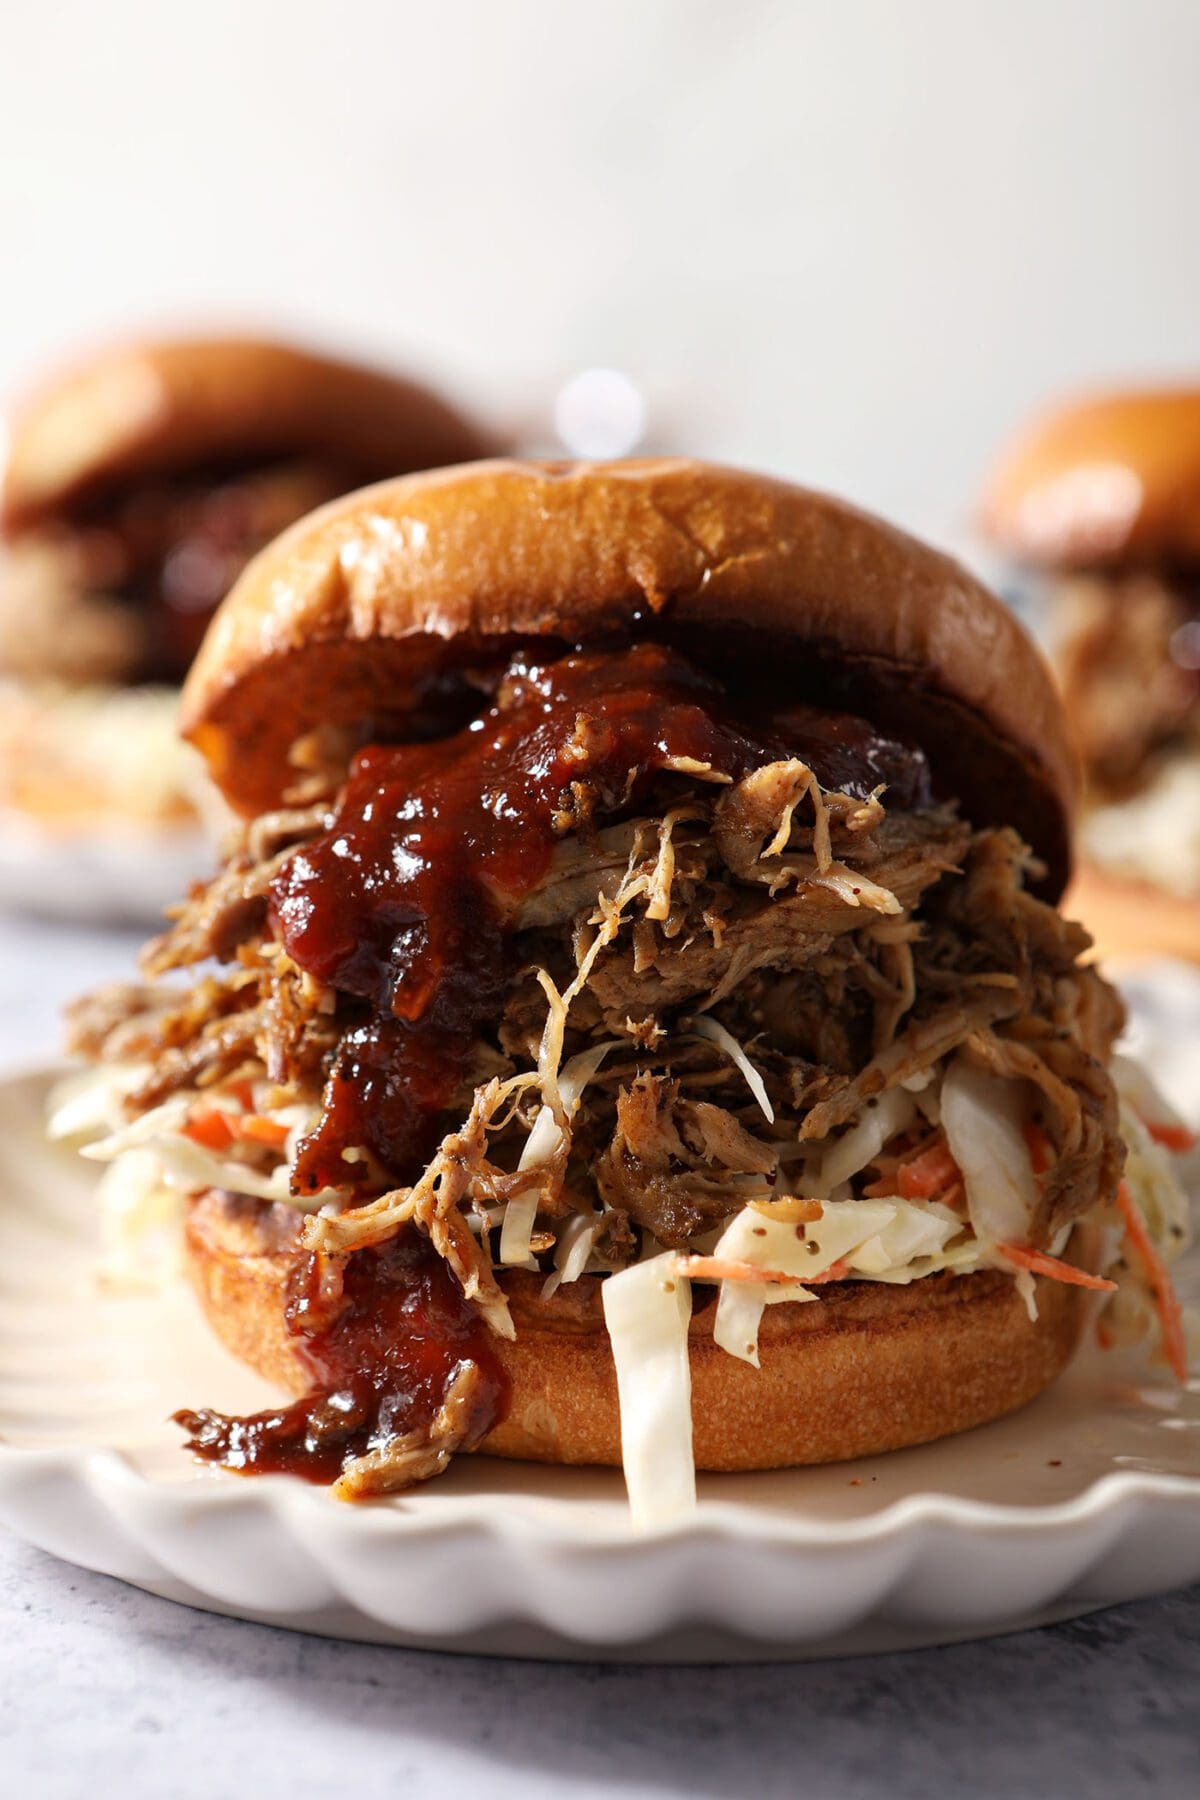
<point>100,1684</point>
<point>106,1689</point>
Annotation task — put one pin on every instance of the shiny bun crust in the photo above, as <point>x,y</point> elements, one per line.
<point>355,613</point>
<point>868,1368</point>
<point>1110,481</point>
<point>154,408</point>
<point>1131,921</point>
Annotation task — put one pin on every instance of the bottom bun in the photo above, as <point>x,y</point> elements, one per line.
<point>1132,920</point>
<point>865,1368</point>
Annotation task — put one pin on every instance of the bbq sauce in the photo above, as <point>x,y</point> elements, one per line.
<point>381,1369</point>
<point>404,903</point>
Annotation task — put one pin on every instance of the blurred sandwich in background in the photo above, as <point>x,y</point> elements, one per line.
<point>137,486</point>
<point>1100,503</point>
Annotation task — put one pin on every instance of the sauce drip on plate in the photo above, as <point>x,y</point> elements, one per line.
<point>381,1367</point>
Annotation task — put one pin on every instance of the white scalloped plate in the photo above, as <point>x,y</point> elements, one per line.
<point>115,877</point>
<point>1089,1497</point>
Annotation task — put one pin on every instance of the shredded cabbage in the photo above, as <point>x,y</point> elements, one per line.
<point>81,1106</point>
<point>194,1167</point>
<point>516,1230</point>
<point>716,1033</point>
<point>140,1241</point>
<point>1141,1096</point>
<point>160,1122</point>
<point>983,1117</point>
<point>580,1070</point>
<point>766,1243</point>
<point>1153,1186</point>
<point>647,1309</point>
<point>917,1231</point>
<point>893,1239</point>
<point>521,1210</point>
<point>185,1164</point>
<point>89,1104</point>
<point>540,1146</point>
<point>571,1252</point>
<point>878,1124</point>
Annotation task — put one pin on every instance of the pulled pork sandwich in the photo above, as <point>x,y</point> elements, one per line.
<point>1102,501</point>
<point>633,1023</point>
<point>137,487</point>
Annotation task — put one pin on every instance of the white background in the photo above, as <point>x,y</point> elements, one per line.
<point>852,241</point>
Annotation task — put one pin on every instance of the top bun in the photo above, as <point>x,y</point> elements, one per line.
<point>1111,481</point>
<point>353,616</point>
<point>162,408</point>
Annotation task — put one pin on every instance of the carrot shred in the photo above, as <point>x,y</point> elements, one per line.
<point>208,1126</point>
<point>243,1093</point>
<point>1038,1145</point>
<point>919,1175</point>
<point>838,1271</point>
<point>719,1268</point>
<point>217,1130</point>
<point>1166,1301</point>
<point>261,1130</point>
<point>1038,1263</point>
<point>925,1175</point>
<point>1172,1137</point>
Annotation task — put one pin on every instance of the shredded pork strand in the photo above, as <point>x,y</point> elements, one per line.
<point>415,1456</point>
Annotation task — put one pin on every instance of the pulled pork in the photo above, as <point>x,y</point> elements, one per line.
<point>693,1004</point>
<point>1127,665</point>
<point>838,985</point>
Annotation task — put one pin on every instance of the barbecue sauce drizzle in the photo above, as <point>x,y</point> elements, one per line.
<point>381,1368</point>
<point>403,905</point>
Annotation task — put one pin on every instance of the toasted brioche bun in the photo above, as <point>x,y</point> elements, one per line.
<point>1131,921</point>
<point>1111,480</point>
<point>354,614</point>
<point>164,407</point>
<point>867,1368</point>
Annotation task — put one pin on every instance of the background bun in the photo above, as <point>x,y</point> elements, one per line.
<point>356,615</point>
<point>868,1368</point>
<point>1111,480</point>
<point>156,408</point>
